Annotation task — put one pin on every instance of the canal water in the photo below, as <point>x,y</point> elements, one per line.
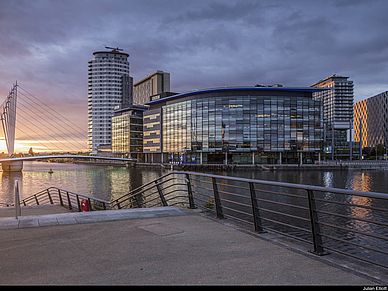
<point>112,182</point>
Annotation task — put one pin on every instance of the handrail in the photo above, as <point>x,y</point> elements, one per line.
<point>292,185</point>
<point>68,199</point>
<point>135,193</point>
<point>338,220</point>
<point>328,218</point>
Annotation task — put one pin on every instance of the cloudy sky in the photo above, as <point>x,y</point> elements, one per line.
<point>45,44</point>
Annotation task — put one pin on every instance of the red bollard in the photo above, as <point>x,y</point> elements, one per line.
<point>84,205</point>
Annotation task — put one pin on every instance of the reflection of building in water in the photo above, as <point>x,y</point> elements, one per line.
<point>7,186</point>
<point>359,181</point>
<point>327,179</point>
<point>358,211</point>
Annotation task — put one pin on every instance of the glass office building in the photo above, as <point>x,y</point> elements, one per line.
<point>127,132</point>
<point>239,126</point>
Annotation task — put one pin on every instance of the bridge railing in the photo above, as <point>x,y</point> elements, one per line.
<point>67,199</point>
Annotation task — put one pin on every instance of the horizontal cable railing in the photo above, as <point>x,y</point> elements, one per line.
<point>168,190</point>
<point>348,222</point>
<point>2,204</point>
<point>67,199</point>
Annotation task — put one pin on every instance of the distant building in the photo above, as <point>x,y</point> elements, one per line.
<point>127,132</point>
<point>371,120</point>
<point>337,113</point>
<point>235,125</point>
<point>109,84</point>
<point>152,84</point>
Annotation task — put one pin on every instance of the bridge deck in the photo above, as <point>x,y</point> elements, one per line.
<point>65,157</point>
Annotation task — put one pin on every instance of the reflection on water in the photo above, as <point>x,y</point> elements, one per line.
<point>327,179</point>
<point>98,181</point>
<point>372,180</point>
<point>111,182</point>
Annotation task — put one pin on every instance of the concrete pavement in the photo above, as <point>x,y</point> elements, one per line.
<point>33,210</point>
<point>48,215</point>
<point>163,246</point>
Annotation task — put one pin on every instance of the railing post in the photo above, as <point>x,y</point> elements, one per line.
<point>48,193</point>
<point>36,200</point>
<point>138,202</point>
<point>68,201</point>
<point>164,202</point>
<point>190,192</point>
<point>60,197</point>
<point>255,209</point>
<point>90,205</point>
<point>315,229</point>
<point>18,211</point>
<point>78,203</point>
<point>217,200</point>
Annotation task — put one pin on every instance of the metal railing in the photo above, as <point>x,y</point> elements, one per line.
<point>67,199</point>
<point>168,190</point>
<point>348,222</point>
<point>353,223</point>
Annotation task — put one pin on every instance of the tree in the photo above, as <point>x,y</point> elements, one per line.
<point>31,152</point>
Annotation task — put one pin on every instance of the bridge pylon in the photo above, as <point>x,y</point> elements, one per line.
<point>8,121</point>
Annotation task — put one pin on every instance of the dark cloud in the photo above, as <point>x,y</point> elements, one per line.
<point>46,45</point>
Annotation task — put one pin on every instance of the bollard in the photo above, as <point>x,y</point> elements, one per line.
<point>84,205</point>
<point>18,211</point>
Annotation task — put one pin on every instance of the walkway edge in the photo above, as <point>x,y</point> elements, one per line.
<point>91,217</point>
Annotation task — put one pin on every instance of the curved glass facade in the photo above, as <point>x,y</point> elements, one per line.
<point>242,126</point>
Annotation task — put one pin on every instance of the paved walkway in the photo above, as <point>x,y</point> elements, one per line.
<point>33,210</point>
<point>57,218</point>
<point>152,246</point>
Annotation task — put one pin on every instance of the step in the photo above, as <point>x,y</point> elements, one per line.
<point>90,217</point>
<point>33,210</point>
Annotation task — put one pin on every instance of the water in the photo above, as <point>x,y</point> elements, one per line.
<point>98,181</point>
<point>111,182</point>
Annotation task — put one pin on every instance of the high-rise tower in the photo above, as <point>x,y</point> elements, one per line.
<point>109,85</point>
<point>337,113</point>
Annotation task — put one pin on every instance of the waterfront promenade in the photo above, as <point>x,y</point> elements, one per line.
<point>162,245</point>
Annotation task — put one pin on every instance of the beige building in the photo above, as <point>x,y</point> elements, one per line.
<point>152,84</point>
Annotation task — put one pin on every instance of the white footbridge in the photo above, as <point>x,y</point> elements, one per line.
<point>8,121</point>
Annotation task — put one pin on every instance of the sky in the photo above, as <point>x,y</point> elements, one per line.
<point>46,44</point>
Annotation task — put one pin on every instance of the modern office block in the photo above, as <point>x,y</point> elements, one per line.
<point>371,120</point>
<point>127,132</point>
<point>337,113</point>
<point>235,125</point>
<point>152,84</point>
